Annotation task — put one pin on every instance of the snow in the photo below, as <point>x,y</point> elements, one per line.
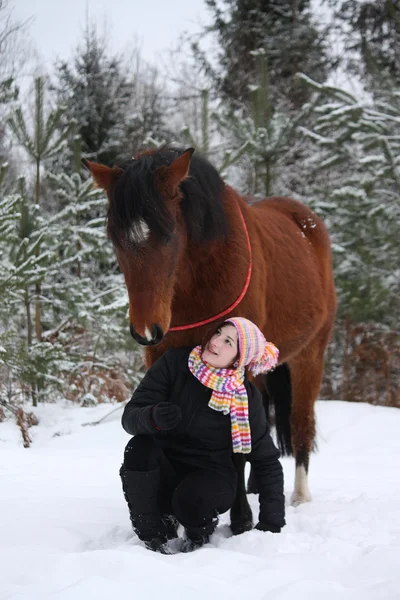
<point>65,531</point>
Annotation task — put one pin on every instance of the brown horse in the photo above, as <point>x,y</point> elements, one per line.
<point>194,252</point>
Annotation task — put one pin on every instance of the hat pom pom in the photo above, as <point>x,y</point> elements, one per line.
<point>268,360</point>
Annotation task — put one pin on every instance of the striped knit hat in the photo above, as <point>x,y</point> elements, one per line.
<point>255,353</point>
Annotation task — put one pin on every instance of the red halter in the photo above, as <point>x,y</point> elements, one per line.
<point>234,305</point>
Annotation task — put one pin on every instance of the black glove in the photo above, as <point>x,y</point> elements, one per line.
<point>264,526</point>
<point>165,415</point>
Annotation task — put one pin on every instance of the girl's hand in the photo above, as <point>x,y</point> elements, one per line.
<point>165,416</point>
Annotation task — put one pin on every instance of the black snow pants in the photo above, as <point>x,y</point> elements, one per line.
<point>157,489</point>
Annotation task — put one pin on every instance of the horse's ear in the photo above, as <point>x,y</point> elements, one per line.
<point>103,176</point>
<point>179,168</point>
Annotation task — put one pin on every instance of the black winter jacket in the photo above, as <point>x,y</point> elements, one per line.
<point>202,438</point>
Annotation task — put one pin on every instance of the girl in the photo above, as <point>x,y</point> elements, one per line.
<point>193,408</point>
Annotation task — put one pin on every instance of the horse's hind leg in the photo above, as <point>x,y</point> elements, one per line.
<point>241,515</point>
<point>276,391</point>
<point>306,375</point>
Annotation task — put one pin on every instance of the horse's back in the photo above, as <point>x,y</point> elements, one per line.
<point>294,216</point>
<point>301,215</point>
<point>301,255</point>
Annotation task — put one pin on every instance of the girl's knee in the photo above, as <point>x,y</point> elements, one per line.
<point>141,454</point>
<point>200,497</point>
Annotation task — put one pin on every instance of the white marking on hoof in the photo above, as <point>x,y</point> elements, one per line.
<point>147,334</point>
<point>301,492</point>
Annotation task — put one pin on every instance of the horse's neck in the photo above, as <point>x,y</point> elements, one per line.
<point>210,276</point>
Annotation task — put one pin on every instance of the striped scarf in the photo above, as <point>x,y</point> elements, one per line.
<point>229,396</point>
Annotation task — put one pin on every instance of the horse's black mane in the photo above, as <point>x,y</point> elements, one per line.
<point>135,198</point>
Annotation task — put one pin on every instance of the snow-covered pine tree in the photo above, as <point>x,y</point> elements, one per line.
<point>43,143</point>
<point>117,102</point>
<point>202,144</point>
<point>85,352</point>
<point>149,113</point>
<point>285,29</point>
<point>8,95</point>
<point>25,360</point>
<point>209,123</point>
<point>263,143</point>
<point>87,303</point>
<point>11,57</point>
<point>370,35</point>
<point>96,93</point>
<point>358,148</point>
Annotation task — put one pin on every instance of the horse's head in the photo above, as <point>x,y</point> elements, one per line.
<point>146,226</point>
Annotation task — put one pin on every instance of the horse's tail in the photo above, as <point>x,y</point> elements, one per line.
<point>279,390</point>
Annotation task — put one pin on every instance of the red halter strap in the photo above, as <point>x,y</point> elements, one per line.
<point>234,305</point>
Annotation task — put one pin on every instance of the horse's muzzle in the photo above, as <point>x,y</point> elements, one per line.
<point>154,338</point>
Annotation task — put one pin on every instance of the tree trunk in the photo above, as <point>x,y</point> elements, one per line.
<point>29,332</point>
<point>38,326</point>
<point>28,317</point>
<point>346,360</point>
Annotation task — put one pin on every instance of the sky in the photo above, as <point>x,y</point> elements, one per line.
<point>55,29</point>
<point>156,25</point>
<point>66,535</point>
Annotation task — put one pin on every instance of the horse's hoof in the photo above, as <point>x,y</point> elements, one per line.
<point>239,527</point>
<point>300,498</point>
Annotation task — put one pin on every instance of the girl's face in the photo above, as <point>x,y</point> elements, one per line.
<point>222,348</point>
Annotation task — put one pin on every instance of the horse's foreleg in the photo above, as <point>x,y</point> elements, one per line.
<point>241,515</point>
<point>306,374</point>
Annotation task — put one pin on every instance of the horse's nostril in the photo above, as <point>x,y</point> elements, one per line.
<point>157,333</point>
<point>154,338</point>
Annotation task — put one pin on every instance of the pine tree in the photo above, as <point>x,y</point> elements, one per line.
<point>284,29</point>
<point>116,104</point>
<point>10,50</point>
<point>82,259</point>
<point>96,93</point>
<point>44,142</point>
<point>370,31</point>
<point>202,144</point>
<point>8,94</point>
<point>148,115</point>
<point>358,153</point>
<point>85,351</point>
<point>263,142</point>
<point>22,270</point>
<point>86,297</point>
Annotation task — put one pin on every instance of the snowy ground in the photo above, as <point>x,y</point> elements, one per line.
<point>65,534</point>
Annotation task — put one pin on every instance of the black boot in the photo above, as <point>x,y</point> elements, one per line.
<point>157,544</point>
<point>172,525</point>
<point>141,490</point>
<point>196,537</point>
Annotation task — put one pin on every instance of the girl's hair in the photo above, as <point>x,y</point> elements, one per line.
<point>207,337</point>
